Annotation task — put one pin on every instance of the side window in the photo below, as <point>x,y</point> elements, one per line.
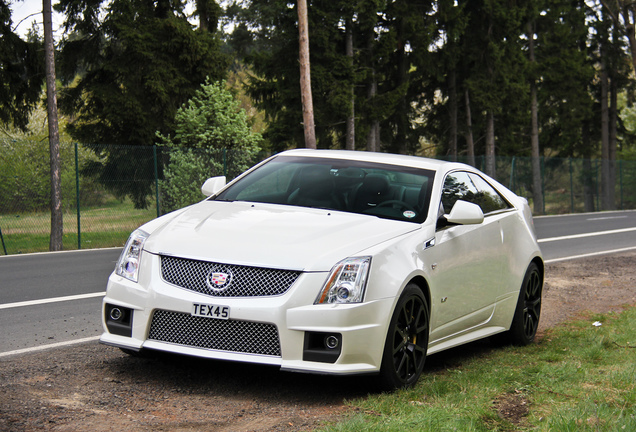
<point>457,186</point>
<point>488,198</point>
<point>472,188</point>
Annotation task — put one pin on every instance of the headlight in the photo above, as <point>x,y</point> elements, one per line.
<point>346,282</point>
<point>128,264</point>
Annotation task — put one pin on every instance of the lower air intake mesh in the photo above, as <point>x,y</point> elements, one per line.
<point>243,337</point>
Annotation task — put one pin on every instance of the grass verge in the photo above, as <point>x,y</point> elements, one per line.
<point>104,226</point>
<point>578,377</point>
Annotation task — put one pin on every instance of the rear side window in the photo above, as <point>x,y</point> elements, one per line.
<point>473,188</point>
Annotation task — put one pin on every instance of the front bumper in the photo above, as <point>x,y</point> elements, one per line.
<point>297,324</point>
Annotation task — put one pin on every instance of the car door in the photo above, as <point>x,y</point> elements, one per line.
<point>467,260</point>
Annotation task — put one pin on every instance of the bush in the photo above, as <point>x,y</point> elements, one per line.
<point>25,180</point>
<point>212,138</point>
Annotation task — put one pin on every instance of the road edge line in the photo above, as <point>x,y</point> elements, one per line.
<point>45,347</point>
<point>588,255</point>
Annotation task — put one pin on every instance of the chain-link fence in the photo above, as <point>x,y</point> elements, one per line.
<point>108,191</point>
<point>568,185</point>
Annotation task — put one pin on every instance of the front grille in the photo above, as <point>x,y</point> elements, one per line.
<point>244,337</point>
<point>243,281</point>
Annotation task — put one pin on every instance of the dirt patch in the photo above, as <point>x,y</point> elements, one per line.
<point>98,388</point>
<point>606,283</point>
<point>512,407</point>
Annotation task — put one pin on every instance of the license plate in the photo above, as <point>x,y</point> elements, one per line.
<point>211,311</point>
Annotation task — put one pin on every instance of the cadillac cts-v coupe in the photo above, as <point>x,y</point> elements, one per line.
<point>332,262</point>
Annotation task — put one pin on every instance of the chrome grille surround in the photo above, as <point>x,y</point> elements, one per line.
<point>245,281</point>
<point>243,337</point>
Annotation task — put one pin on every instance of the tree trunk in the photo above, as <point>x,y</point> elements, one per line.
<point>627,11</point>
<point>605,172</point>
<point>537,186</point>
<point>208,12</point>
<point>350,143</point>
<point>373,137</point>
<point>305,76</point>
<point>490,144</point>
<point>452,113</point>
<point>611,153</point>
<point>537,189</point>
<point>587,175</point>
<point>55,243</point>
<point>402,121</point>
<point>470,143</point>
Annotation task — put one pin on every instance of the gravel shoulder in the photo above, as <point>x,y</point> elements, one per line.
<point>98,388</point>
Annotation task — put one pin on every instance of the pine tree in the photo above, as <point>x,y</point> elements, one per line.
<point>21,73</point>
<point>129,66</point>
<point>210,129</point>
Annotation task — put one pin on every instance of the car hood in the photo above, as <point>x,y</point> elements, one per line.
<point>268,235</point>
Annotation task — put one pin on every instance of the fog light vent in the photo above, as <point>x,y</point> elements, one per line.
<point>322,347</point>
<point>118,320</point>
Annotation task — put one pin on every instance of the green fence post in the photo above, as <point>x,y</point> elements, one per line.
<point>512,172</point>
<point>154,155</point>
<point>542,159</point>
<point>620,177</point>
<point>571,189</point>
<point>225,162</point>
<point>597,186</point>
<point>77,198</point>
<point>3,246</point>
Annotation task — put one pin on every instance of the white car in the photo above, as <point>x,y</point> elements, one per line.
<point>332,262</point>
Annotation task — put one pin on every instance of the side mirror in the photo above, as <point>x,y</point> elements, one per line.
<point>465,213</point>
<point>213,185</point>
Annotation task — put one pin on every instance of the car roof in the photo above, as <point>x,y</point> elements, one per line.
<point>386,158</point>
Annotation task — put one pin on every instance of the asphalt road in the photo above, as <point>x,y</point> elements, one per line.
<point>571,236</point>
<point>54,299</point>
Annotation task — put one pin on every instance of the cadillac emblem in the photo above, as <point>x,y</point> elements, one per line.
<point>219,279</point>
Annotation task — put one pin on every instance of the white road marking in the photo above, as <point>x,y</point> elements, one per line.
<point>51,300</point>
<point>71,251</point>
<point>592,234</point>
<point>590,255</point>
<point>607,217</point>
<point>45,347</point>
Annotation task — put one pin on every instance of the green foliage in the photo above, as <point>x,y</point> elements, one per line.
<point>212,137</point>
<point>566,73</point>
<point>21,73</point>
<point>25,183</point>
<point>579,377</point>
<point>425,58</point>
<point>384,34</point>
<point>130,65</point>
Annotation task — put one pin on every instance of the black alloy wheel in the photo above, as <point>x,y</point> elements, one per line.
<point>407,340</point>
<point>528,311</point>
<point>532,303</point>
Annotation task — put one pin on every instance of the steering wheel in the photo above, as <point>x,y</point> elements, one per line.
<point>402,204</point>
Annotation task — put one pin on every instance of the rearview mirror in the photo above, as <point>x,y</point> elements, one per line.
<point>465,213</point>
<point>213,185</point>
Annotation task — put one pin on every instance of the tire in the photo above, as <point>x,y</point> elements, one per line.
<point>528,311</point>
<point>406,341</point>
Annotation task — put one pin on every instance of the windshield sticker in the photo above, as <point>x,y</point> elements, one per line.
<point>409,214</point>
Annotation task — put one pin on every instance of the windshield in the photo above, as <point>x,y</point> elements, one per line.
<point>382,190</point>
